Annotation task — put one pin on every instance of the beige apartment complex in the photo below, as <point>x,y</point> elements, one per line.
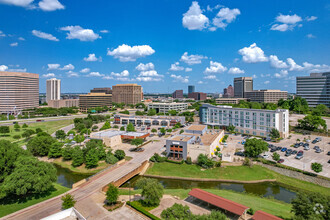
<point>63,103</point>
<point>92,100</point>
<point>18,91</point>
<point>127,93</point>
<point>267,96</point>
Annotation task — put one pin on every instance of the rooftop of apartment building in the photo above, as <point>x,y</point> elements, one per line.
<point>149,117</point>
<point>21,74</point>
<point>244,109</point>
<point>201,139</point>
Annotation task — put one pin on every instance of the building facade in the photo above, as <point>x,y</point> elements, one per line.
<point>53,89</point>
<point>314,88</point>
<point>127,93</point>
<point>92,100</point>
<point>105,90</point>
<point>167,106</point>
<point>228,92</point>
<point>191,89</point>
<point>257,122</point>
<point>18,91</point>
<point>229,100</point>
<point>242,85</point>
<point>63,103</point>
<point>200,96</point>
<point>177,94</point>
<point>267,96</point>
<point>148,120</point>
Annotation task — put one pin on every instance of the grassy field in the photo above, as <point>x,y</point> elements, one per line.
<point>194,171</point>
<point>6,209</point>
<point>234,173</point>
<point>81,169</point>
<point>271,206</point>
<point>49,127</point>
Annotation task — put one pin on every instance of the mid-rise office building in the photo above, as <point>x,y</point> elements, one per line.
<point>177,94</point>
<point>157,120</point>
<point>63,103</point>
<point>127,93</point>
<point>228,92</point>
<point>242,85</point>
<point>191,89</point>
<point>92,100</point>
<point>314,88</point>
<point>164,107</point>
<point>18,91</point>
<point>257,122</point>
<point>105,90</point>
<point>267,96</point>
<point>200,96</point>
<point>229,100</point>
<point>53,89</point>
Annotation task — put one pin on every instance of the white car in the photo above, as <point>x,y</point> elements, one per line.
<point>265,156</point>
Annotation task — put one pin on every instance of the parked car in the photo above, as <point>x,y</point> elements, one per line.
<point>288,152</point>
<point>306,144</point>
<point>268,139</point>
<point>265,156</point>
<point>328,161</point>
<point>314,141</point>
<point>278,148</point>
<point>239,154</point>
<point>328,153</point>
<point>300,155</point>
<point>308,141</point>
<point>273,149</point>
<point>306,148</point>
<point>318,150</point>
<point>296,145</point>
<point>284,149</point>
<point>280,161</point>
<point>316,147</point>
<point>243,142</point>
<point>318,139</point>
<point>294,152</point>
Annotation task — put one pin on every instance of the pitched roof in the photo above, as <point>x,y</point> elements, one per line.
<point>260,215</point>
<point>218,201</point>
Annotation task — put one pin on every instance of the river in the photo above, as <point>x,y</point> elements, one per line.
<point>67,178</point>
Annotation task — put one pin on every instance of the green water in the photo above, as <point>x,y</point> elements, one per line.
<point>67,178</point>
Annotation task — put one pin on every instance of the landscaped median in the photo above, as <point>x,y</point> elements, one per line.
<point>243,174</point>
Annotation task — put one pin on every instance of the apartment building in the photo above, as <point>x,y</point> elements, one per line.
<point>127,93</point>
<point>164,107</point>
<point>177,94</point>
<point>267,96</point>
<point>195,140</point>
<point>148,120</point>
<point>258,122</point>
<point>200,96</point>
<point>228,92</point>
<point>18,91</point>
<point>92,100</point>
<point>242,85</point>
<point>229,100</point>
<point>314,88</point>
<point>53,89</point>
<point>63,103</point>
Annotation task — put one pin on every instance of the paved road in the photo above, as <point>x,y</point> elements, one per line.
<point>86,203</point>
<point>65,129</point>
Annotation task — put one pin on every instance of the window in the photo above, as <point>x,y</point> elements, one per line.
<point>254,133</point>
<point>262,134</point>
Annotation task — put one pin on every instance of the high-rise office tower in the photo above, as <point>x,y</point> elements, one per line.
<point>127,93</point>
<point>177,94</point>
<point>228,92</point>
<point>242,85</point>
<point>106,90</point>
<point>314,88</point>
<point>191,89</point>
<point>18,91</point>
<point>53,89</point>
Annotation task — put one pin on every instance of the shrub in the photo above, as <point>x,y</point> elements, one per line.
<point>111,159</point>
<point>204,161</point>
<point>143,211</point>
<point>17,136</point>
<point>188,160</point>
<point>247,162</point>
<point>317,167</point>
<point>68,201</point>
<point>250,211</point>
<point>218,164</point>
<point>25,125</point>
<point>120,154</point>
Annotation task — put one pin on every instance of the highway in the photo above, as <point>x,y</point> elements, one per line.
<point>89,196</point>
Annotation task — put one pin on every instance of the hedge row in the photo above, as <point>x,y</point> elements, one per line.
<point>143,211</point>
<point>176,162</point>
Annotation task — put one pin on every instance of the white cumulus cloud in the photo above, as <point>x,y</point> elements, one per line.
<point>235,70</point>
<point>267,82</point>
<point>50,5</point>
<point>15,44</point>
<point>194,19</point>
<point>68,67</point>
<point>310,36</point>
<point>72,74</point>
<point>179,78</point>
<point>176,67</point>
<point>124,73</point>
<point>253,54</point>
<point>95,74</point>
<point>210,77</point>
<point>21,3</point>
<point>192,59</point>
<point>85,70</point>
<point>187,69</point>
<point>293,66</point>
<point>281,74</point>
<point>3,67</point>
<point>145,67</point>
<point>286,22</point>
<point>224,17</point>
<point>91,58</point>
<point>311,18</point>
<point>277,63</point>
<point>127,53</point>
<point>44,35</point>
<point>215,67</point>
<point>48,75</point>
<point>77,32</point>
<point>53,66</point>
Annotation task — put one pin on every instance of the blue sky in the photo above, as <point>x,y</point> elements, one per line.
<point>165,45</point>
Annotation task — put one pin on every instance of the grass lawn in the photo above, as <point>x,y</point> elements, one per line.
<point>81,169</point>
<point>49,126</point>
<point>194,171</point>
<point>272,206</point>
<point>6,209</point>
<point>234,173</point>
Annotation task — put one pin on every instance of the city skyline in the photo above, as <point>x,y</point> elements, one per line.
<point>201,43</point>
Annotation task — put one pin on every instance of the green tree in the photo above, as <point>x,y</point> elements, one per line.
<point>154,130</point>
<point>112,194</point>
<point>169,130</point>
<point>320,110</point>
<point>181,131</point>
<point>274,133</point>
<point>130,127</point>
<point>17,127</point>
<point>68,201</point>
<point>105,126</point>
<point>122,128</point>
<point>163,130</point>
<point>312,123</point>
<point>60,134</point>
<point>55,150</point>
<point>91,159</point>
<point>172,112</point>
<point>77,157</point>
<point>39,146</point>
<point>30,176</point>
<point>17,136</point>
<point>276,157</point>
<point>4,129</point>
<point>231,128</point>
<point>177,211</point>
<point>25,126</point>
<point>136,141</point>
<point>39,130</point>
<point>79,138</point>
<point>111,159</point>
<point>27,133</point>
<point>299,105</point>
<point>120,154</point>
<point>254,147</point>
<point>204,161</point>
<point>317,167</point>
<point>94,128</point>
<point>152,191</point>
<point>152,112</point>
<point>67,152</point>
<point>140,105</point>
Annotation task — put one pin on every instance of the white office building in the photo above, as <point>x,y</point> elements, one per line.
<point>258,122</point>
<point>53,89</point>
<point>164,107</point>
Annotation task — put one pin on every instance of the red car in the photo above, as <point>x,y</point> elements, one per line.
<point>280,161</point>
